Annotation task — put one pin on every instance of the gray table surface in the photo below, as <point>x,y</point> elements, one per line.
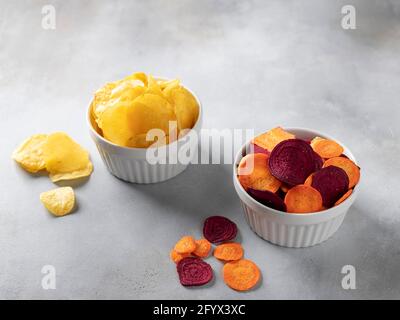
<point>254,64</point>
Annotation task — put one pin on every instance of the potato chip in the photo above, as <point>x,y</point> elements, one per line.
<point>128,90</point>
<point>65,158</point>
<point>167,85</point>
<point>59,201</point>
<point>29,154</point>
<point>115,124</point>
<point>153,87</point>
<point>149,111</point>
<point>81,173</point>
<point>141,76</point>
<point>185,106</point>
<point>101,100</point>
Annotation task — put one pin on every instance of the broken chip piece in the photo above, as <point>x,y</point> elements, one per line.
<point>30,153</point>
<point>59,201</point>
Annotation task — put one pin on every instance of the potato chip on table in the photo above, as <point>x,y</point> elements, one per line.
<point>59,201</point>
<point>30,153</point>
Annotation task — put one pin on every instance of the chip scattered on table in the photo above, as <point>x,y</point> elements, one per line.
<point>30,153</point>
<point>59,201</point>
<point>59,154</point>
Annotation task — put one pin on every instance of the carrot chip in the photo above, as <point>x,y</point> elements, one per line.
<point>185,245</point>
<point>203,247</point>
<point>241,275</point>
<point>229,251</point>
<point>303,199</point>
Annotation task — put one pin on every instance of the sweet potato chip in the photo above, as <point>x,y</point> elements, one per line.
<point>351,169</point>
<point>254,173</point>
<point>303,199</point>
<point>185,245</point>
<point>63,155</point>
<point>241,275</point>
<point>203,247</point>
<point>194,271</point>
<point>176,257</point>
<point>326,148</point>
<point>229,251</point>
<point>59,201</point>
<point>292,161</point>
<point>344,197</point>
<point>270,139</point>
<point>332,183</point>
<point>268,198</point>
<point>29,154</point>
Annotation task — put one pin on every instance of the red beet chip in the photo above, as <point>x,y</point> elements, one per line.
<point>292,161</point>
<point>318,162</point>
<point>194,272</point>
<point>218,229</point>
<point>268,198</point>
<point>332,182</point>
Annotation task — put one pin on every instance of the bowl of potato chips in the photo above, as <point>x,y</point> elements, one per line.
<point>141,124</point>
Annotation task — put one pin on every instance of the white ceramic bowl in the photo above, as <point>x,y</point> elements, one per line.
<point>130,164</point>
<point>292,230</point>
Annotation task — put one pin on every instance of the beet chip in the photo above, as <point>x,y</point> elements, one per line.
<point>268,198</point>
<point>194,272</point>
<point>218,229</point>
<point>292,161</point>
<point>318,162</point>
<point>332,182</point>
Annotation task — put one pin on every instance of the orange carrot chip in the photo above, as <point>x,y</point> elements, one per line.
<point>203,247</point>
<point>241,275</point>
<point>229,251</point>
<point>326,148</point>
<point>176,257</point>
<point>270,139</point>
<point>303,199</point>
<point>185,245</point>
<point>253,172</point>
<point>344,197</point>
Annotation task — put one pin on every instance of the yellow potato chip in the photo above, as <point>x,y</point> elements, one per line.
<point>30,153</point>
<point>102,97</point>
<point>63,155</point>
<point>128,90</point>
<point>141,76</point>
<point>59,201</point>
<point>115,124</point>
<point>149,111</point>
<point>153,87</point>
<point>185,106</point>
<point>81,173</point>
<point>167,85</point>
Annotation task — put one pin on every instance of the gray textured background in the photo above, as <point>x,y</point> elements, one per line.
<point>254,64</point>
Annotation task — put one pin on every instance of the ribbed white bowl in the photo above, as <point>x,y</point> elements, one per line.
<point>292,230</point>
<point>131,164</point>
